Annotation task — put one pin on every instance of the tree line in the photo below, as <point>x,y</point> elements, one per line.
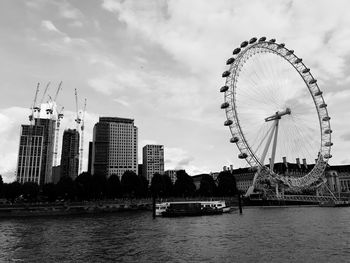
<point>100,187</point>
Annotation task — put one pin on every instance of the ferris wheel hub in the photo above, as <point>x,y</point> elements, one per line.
<point>278,115</point>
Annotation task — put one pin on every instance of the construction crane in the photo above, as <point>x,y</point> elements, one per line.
<point>77,121</point>
<point>43,96</point>
<point>81,150</point>
<point>53,102</point>
<point>34,108</point>
<point>57,130</point>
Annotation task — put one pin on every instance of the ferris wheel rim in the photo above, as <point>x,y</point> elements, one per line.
<point>236,63</point>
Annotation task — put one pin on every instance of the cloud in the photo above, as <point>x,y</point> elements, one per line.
<point>48,25</point>
<point>10,119</point>
<point>345,136</point>
<point>122,102</point>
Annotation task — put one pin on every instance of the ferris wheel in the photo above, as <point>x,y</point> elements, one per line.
<point>276,111</point>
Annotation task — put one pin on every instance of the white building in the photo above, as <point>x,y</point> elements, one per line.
<point>153,160</point>
<point>114,148</point>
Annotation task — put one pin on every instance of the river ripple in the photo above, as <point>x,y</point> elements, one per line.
<point>300,234</point>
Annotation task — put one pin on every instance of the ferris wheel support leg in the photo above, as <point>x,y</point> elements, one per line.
<point>267,146</point>
<point>272,161</point>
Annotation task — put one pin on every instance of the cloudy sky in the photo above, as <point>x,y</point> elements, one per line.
<point>160,63</point>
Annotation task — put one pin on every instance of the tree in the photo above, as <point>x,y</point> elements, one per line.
<point>184,185</point>
<point>99,185</point>
<point>207,186</point>
<point>113,186</point>
<point>143,187</point>
<point>161,185</point>
<point>157,185</point>
<point>84,186</point>
<point>50,192</point>
<point>66,188</point>
<point>30,190</point>
<point>130,184</point>
<point>226,184</point>
<point>1,186</point>
<point>168,186</point>
<point>12,190</point>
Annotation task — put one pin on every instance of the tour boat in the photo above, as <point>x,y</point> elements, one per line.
<point>191,208</point>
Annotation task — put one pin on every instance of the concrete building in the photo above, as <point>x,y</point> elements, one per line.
<point>114,146</point>
<point>35,155</point>
<point>172,175</point>
<point>153,160</point>
<point>338,179</point>
<point>70,154</point>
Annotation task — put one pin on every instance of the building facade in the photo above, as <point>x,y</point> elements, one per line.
<point>114,146</point>
<point>70,153</point>
<point>153,160</point>
<point>35,155</point>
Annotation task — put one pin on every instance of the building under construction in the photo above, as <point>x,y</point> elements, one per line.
<point>37,140</point>
<point>35,152</point>
<point>70,153</point>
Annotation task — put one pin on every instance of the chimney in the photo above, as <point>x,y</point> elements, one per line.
<point>304,163</point>
<point>316,160</point>
<point>298,162</point>
<point>231,167</point>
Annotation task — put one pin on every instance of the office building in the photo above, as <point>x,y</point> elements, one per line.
<point>114,147</point>
<point>35,155</point>
<point>153,160</point>
<point>70,153</point>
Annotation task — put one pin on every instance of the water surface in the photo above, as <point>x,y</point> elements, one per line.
<point>300,234</point>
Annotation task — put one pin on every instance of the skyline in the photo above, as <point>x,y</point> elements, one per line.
<point>160,63</point>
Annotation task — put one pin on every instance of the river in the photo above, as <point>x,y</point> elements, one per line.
<point>293,234</point>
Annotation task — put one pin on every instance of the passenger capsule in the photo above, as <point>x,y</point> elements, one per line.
<point>244,44</point>
<point>262,39</point>
<point>242,155</point>
<point>228,122</point>
<point>328,144</point>
<point>234,139</point>
<point>224,105</point>
<point>323,105</point>
<point>306,70</point>
<point>318,93</point>
<point>313,81</point>
<point>272,40</point>
<point>327,118</point>
<point>289,52</point>
<point>328,131</point>
<point>327,156</point>
<point>230,61</point>
<point>252,40</point>
<point>223,88</point>
<point>298,60</point>
<point>226,74</point>
<point>281,45</point>
<point>236,51</point>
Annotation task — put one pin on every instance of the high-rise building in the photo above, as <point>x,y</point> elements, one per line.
<point>70,153</point>
<point>35,153</point>
<point>153,160</point>
<point>114,147</point>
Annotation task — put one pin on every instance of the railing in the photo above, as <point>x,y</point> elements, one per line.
<point>300,198</point>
